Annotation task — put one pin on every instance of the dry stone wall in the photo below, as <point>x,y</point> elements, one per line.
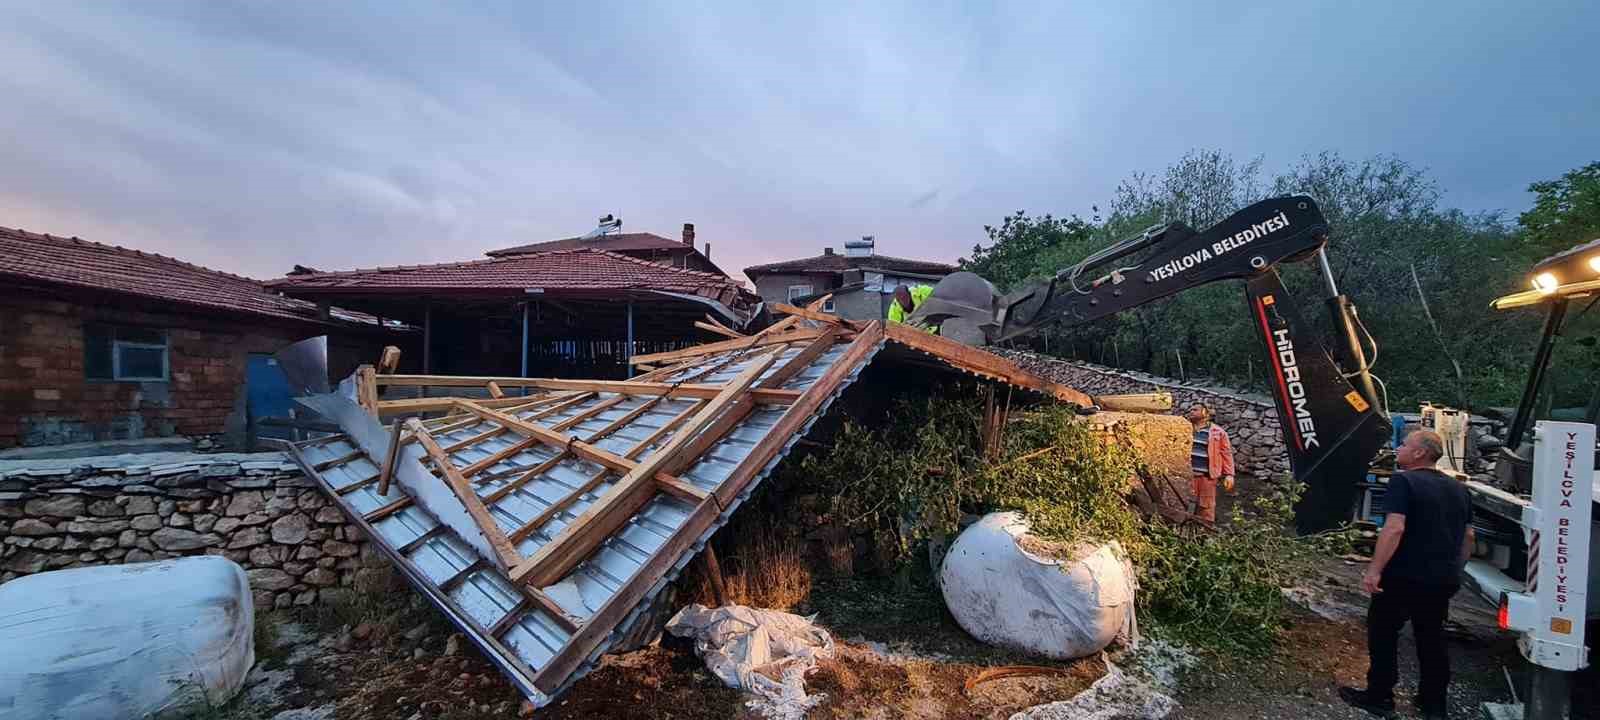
<point>256,509</point>
<point>1250,419</point>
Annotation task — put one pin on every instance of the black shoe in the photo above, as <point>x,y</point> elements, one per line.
<point>1360,699</point>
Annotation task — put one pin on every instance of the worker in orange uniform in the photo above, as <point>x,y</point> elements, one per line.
<point>1211,459</point>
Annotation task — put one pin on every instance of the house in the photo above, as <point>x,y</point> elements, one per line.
<point>642,245</point>
<point>569,312</point>
<point>862,282</point>
<point>99,342</point>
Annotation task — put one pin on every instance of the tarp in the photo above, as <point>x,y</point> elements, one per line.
<point>765,652</point>
<point>125,641</point>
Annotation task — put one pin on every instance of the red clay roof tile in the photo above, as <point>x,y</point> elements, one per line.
<point>72,262</point>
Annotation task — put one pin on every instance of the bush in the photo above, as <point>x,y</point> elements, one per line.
<point>912,478</point>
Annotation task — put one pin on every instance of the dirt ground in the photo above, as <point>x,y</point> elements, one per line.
<point>900,655</point>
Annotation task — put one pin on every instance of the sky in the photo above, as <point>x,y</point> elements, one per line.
<point>250,137</point>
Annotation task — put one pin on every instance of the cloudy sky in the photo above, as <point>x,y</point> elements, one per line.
<point>250,137</point>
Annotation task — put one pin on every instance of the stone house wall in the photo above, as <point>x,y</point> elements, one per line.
<point>256,509</point>
<point>1250,419</point>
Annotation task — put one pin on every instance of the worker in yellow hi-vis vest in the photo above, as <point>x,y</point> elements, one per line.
<point>906,299</point>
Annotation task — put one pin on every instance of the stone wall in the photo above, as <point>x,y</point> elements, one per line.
<point>256,509</point>
<point>1250,419</point>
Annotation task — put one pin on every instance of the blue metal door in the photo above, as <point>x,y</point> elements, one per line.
<point>267,390</point>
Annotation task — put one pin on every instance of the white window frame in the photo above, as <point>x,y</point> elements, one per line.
<point>827,307</point>
<point>116,360</point>
<point>805,290</point>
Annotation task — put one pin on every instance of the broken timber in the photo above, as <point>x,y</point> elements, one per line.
<point>545,525</point>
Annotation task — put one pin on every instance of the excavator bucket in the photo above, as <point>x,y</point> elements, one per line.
<point>962,306</point>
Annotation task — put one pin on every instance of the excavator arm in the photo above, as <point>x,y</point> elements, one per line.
<point>1330,416</point>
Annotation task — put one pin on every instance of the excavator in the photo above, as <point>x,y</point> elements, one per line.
<point>1332,417</point>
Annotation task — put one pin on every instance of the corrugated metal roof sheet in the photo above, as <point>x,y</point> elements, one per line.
<point>545,471</point>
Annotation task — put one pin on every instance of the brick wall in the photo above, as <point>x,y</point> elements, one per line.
<point>256,509</point>
<point>46,399</point>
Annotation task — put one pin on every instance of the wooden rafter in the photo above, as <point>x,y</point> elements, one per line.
<point>581,645</point>
<point>580,537</point>
<point>718,330</point>
<point>506,552</point>
<point>982,363</point>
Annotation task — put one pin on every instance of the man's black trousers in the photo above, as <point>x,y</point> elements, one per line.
<point>1425,607</point>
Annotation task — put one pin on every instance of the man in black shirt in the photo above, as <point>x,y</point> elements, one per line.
<point>1426,538</point>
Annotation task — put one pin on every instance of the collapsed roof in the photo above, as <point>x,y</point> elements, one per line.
<point>545,525</point>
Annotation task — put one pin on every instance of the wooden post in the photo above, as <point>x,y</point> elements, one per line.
<point>719,588</point>
<point>524,340</point>
<point>389,458</point>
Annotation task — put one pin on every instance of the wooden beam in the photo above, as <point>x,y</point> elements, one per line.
<point>713,568</point>
<point>742,409</point>
<point>594,481</point>
<point>523,479</point>
<point>494,389</point>
<point>357,485</point>
<point>355,454</point>
<point>389,361</point>
<point>524,604</point>
<point>681,489</point>
<point>598,408</point>
<point>977,361</point>
<point>461,575</point>
<point>496,458</point>
<point>552,438</point>
<point>559,505</point>
<point>729,345</point>
<point>389,457</point>
<point>580,537</point>
<point>714,321</point>
<point>543,602</point>
<point>503,548</point>
<point>387,510</point>
<point>815,315</point>
<point>417,541</point>
<point>486,435</point>
<point>580,646</point>
<point>413,406</point>
<point>718,329</point>
<point>695,390</point>
<point>367,388</point>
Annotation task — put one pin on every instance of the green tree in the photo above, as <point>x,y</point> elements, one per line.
<point>1565,212</point>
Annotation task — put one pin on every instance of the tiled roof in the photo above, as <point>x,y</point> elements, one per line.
<point>618,242</point>
<point>841,263</point>
<point>55,260</point>
<point>585,269</point>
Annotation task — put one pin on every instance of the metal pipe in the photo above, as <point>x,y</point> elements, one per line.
<point>628,354</point>
<point>1327,272</point>
<point>1541,362</point>
<point>524,339</point>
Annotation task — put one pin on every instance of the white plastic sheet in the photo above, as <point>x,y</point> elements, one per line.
<point>765,652</point>
<point>125,641</point>
<point>1060,607</point>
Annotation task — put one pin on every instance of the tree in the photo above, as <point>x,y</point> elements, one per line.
<point>1021,247</point>
<point>1566,212</point>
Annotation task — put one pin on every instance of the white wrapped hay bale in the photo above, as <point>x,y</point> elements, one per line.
<point>125,641</point>
<point>1008,588</point>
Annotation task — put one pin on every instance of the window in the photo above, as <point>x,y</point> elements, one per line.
<point>827,307</point>
<point>799,291</point>
<point>124,353</point>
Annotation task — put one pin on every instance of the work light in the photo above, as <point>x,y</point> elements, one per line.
<point>1546,282</point>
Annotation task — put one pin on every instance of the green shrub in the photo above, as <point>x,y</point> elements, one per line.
<point>914,475</point>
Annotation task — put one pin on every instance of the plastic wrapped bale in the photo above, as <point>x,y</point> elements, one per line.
<point>168,638</point>
<point>1011,589</point>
